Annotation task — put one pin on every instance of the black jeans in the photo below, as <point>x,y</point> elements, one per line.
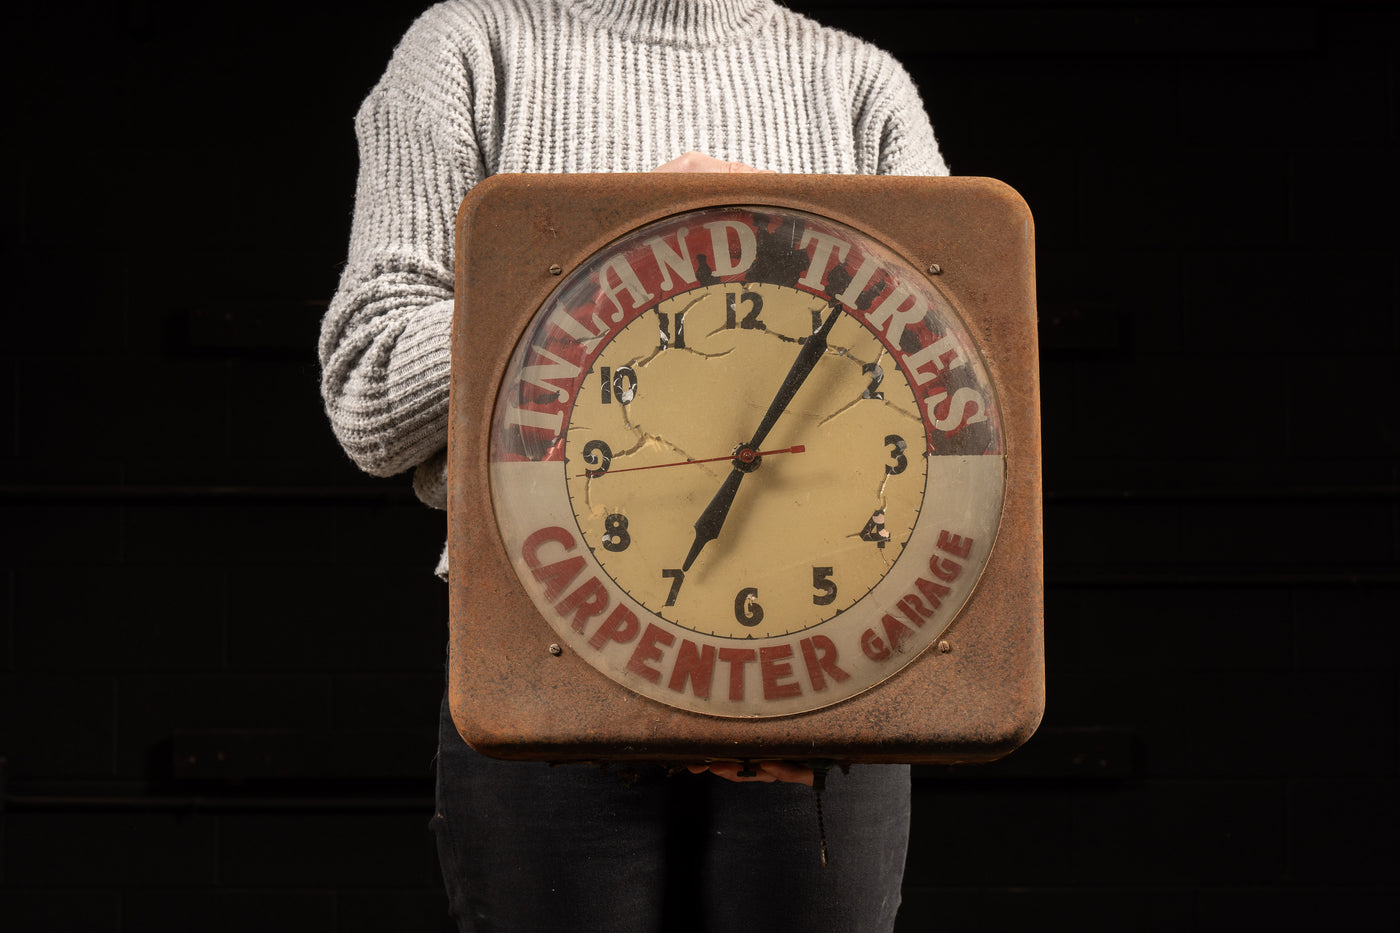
<point>634,849</point>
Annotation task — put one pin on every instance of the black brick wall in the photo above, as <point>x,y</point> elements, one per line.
<point>1215,199</point>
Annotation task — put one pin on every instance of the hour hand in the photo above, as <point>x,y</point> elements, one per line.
<point>708,525</point>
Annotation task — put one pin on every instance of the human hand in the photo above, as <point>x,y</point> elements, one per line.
<point>765,772</point>
<point>699,162</point>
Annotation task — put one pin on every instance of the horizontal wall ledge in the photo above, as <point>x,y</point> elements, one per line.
<point>1369,492</point>
<point>1079,753</point>
<point>332,495</point>
<point>1101,577</point>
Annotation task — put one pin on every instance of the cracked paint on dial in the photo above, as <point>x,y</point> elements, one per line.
<point>794,512</point>
<point>851,542</point>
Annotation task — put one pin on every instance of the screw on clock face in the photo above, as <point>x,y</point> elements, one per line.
<point>711,521</point>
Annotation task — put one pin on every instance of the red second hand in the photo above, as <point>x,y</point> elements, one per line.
<point>797,449</point>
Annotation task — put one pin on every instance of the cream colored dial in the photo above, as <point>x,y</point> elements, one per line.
<point>746,462</point>
<point>822,515</point>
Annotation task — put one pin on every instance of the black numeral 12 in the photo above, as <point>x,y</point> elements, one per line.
<point>731,311</point>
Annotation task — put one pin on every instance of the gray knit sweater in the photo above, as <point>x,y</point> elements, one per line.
<point>478,87</point>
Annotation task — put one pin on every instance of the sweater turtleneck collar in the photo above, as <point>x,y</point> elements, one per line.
<point>677,22</point>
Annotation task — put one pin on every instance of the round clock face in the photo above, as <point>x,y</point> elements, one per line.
<point>747,462</point>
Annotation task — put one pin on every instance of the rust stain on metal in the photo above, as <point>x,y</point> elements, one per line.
<point>975,704</point>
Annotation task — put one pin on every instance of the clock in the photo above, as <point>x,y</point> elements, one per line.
<point>733,458</point>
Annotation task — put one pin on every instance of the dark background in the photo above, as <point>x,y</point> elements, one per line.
<point>221,648</point>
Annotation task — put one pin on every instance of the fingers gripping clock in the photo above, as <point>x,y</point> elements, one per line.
<point>747,462</point>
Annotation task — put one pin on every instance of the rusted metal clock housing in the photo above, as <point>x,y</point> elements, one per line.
<point>514,693</point>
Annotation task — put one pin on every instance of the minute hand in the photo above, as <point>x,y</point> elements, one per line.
<point>708,525</point>
<point>811,351</point>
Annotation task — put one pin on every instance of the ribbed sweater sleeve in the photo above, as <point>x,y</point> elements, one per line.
<point>894,125</point>
<point>385,341</point>
<point>484,86</point>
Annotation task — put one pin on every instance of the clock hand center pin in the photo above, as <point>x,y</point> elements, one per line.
<point>711,521</point>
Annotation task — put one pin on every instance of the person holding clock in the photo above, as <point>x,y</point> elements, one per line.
<point>480,87</point>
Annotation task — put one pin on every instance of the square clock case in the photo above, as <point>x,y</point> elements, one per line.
<point>745,466</point>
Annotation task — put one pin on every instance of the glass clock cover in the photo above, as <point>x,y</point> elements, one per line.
<point>747,462</point>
